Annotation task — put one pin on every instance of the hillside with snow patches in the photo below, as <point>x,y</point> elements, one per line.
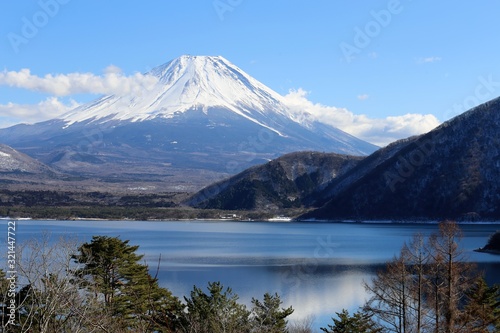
<point>200,116</point>
<point>14,162</point>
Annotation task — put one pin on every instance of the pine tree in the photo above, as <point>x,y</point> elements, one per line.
<point>483,308</point>
<point>268,317</point>
<point>216,312</point>
<point>360,322</point>
<point>112,268</point>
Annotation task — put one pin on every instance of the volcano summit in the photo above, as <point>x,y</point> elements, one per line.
<point>200,118</point>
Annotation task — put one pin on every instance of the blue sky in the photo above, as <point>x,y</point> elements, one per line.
<point>396,68</point>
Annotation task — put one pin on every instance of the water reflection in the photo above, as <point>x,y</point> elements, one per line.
<point>318,268</point>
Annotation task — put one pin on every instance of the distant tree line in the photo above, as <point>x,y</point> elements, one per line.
<point>30,198</point>
<point>102,286</point>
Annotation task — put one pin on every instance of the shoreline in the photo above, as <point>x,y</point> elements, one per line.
<point>482,250</point>
<point>267,220</point>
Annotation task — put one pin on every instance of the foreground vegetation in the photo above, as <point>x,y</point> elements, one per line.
<point>102,286</point>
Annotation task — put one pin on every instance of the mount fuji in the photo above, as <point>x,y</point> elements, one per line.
<point>200,118</point>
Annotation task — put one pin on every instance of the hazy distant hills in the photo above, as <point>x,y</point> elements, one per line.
<point>201,120</point>
<point>282,183</point>
<point>450,172</point>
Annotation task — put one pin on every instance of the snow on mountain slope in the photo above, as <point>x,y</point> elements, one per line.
<point>197,113</point>
<point>189,82</point>
<point>14,161</point>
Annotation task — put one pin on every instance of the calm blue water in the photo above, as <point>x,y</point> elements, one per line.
<point>318,268</point>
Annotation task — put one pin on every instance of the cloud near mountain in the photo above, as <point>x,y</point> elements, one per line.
<point>112,82</point>
<point>379,131</point>
<point>51,107</point>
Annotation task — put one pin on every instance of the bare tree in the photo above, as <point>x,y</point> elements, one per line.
<point>450,277</point>
<point>424,289</point>
<point>50,297</point>
<point>417,256</point>
<point>304,325</point>
<point>392,300</point>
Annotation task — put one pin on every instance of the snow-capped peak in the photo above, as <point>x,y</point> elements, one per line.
<point>185,83</point>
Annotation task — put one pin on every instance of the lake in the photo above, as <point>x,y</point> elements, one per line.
<point>318,268</point>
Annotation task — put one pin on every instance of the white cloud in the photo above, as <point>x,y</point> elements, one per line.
<point>428,60</point>
<point>112,82</point>
<point>363,97</point>
<point>379,131</point>
<point>52,107</point>
<point>112,69</point>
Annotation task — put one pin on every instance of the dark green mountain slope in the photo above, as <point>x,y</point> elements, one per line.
<point>450,172</point>
<point>280,183</point>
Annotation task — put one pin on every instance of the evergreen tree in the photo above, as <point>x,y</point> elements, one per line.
<point>360,322</point>
<point>493,242</point>
<point>268,317</point>
<point>216,312</point>
<point>112,268</point>
<point>482,311</point>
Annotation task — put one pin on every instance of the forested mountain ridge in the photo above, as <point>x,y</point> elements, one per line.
<point>452,171</point>
<point>320,196</point>
<point>281,183</point>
